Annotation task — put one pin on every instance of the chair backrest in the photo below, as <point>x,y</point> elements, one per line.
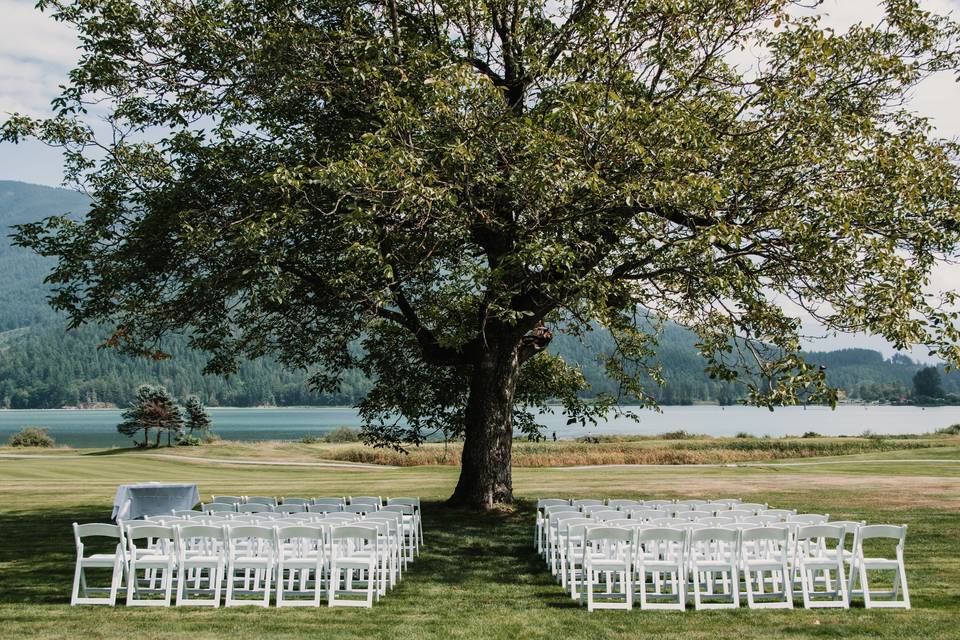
<point>150,532</point>
<point>714,534</point>
<point>330,500</point>
<point>696,514</point>
<point>228,499</point>
<point>97,529</point>
<point>619,503</point>
<point>360,508</point>
<point>214,507</point>
<point>557,518</point>
<point>683,516</point>
<point>353,532</point>
<point>292,507</point>
<point>412,502</point>
<point>608,534</point>
<point>327,507</point>
<point>660,543</point>
<point>559,508</point>
<point>541,503</point>
<point>821,534</point>
<point>255,507</point>
<point>287,501</point>
<point>245,531</point>
<point>769,534</point>
<point>663,522</point>
<point>738,514</point>
<point>891,531</point>
<point>728,501</point>
<point>717,521</point>
<point>756,507</point>
<point>783,514</point>
<point>851,526</point>
<point>248,517</point>
<point>715,507</point>
<point>583,502</point>
<point>188,514</point>
<point>656,504</point>
<point>405,509</point>
<point>642,513</point>
<point>695,503</point>
<point>374,501</point>
<point>761,519</point>
<point>271,500</point>
<point>605,514</point>
<point>392,516</point>
<point>305,538</point>
<point>714,544</point>
<point>809,518</point>
<point>206,532</point>
<point>303,517</point>
<point>677,508</point>
<point>591,508</point>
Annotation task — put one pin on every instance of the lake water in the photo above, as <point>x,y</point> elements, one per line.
<point>97,428</point>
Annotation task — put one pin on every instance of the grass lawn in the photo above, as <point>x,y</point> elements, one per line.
<point>478,576</point>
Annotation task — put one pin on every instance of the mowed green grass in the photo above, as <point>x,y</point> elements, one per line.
<point>478,576</point>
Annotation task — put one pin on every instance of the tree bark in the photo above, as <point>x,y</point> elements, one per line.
<point>486,477</point>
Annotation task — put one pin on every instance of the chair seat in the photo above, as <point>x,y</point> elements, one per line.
<point>880,563</point>
<point>353,562</point>
<point>206,560</point>
<point>99,560</point>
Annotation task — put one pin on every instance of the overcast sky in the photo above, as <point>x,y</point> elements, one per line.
<point>36,53</point>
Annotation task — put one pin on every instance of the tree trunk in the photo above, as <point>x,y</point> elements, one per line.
<point>159,433</point>
<point>485,473</point>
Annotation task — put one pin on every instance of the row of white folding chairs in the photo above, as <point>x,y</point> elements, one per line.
<point>294,554</point>
<point>556,515</point>
<point>274,501</point>
<point>411,525</point>
<point>742,511</point>
<point>766,563</point>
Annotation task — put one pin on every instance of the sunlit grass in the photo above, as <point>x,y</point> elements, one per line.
<point>478,576</point>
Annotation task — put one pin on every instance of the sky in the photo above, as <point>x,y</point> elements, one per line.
<point>36,54</point>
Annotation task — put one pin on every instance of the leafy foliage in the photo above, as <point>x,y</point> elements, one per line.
<point>197,419</point>
<point>153,408</point>
<point>31,437</point>
<point>451,184</point>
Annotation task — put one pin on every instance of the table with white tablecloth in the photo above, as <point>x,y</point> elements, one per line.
<point>153,499</point>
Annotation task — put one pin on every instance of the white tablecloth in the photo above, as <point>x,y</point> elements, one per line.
<point>152,499</point>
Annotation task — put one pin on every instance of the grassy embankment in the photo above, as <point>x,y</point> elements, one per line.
<point>565,453</point>
<point>478,577</point>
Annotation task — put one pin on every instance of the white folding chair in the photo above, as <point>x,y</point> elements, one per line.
<point>300,561</point>
<point>353,548</point>
<point>607,551</point>
<point>756,507</point>
<point>115,560</point>
<point>602,515</point>
<point>763,551</point>
<point>586,502</point>
<point>250,549</point>
<point>409,529</point>
<point>660,553</point>
<point>863,564</point>
<point>819,561</point>
<point>619,503</point>
<point>417,514</point>
<point>713,564</point>
<point>156,555</point>
<point>200,547</point>
<point>291,507</point>
<point>566,546</point>
<point>228,499</point>
<point>809,518</point>
<point>304,501</point>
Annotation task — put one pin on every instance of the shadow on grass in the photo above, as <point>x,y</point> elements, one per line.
<point>462,549</point>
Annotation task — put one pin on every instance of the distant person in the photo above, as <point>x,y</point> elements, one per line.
<point>554,436</point>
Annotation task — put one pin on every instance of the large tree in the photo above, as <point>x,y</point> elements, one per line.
<point>428,191</point>
<point>152,408</point>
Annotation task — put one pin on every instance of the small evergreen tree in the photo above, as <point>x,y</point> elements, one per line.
<point>152,408</point>
<point>198,420</point>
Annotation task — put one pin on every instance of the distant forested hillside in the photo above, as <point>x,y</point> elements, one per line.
<point>43,366</point>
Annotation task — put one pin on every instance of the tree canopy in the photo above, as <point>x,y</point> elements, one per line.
<point>152,408</point>
<point>427,192</point>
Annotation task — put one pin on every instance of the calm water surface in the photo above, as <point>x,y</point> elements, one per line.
<point>97,428</point>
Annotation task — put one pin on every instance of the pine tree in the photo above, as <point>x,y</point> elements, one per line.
<point>152,408</point>
<point>197,417</point>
